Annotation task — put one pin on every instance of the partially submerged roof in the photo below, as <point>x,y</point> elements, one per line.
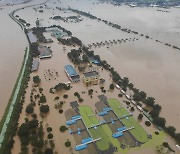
<point>35,65</point>
<point>74,104</point>
<point>70,70</point>
<point>91,74</point>
<point>44,51</point>
<point>32,37</point>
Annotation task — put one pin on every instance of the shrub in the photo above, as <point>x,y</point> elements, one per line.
<point>56,98</point>
<point>49,129</point>
<point>157,133</point>
<point>40,90</point>
<point>48,151</point>
<point>34,116</point>
<point>132,108</point>
<point>67,143</point>
<point>165,144</point>
<point>63,128</point>
<point>111,86</point>
<point>147,123</point>
<point>81,100</point>
<point>90,91</point>
<point>120,95</point>
<point>140,116</point>
<point>65,96</point>
<point>76,94</point>
<point>50,136</point>
<point>127,103</point>
<point>61,111</point>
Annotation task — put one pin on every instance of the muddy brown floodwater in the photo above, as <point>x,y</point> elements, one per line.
<point>12,45</point>
<point>151,66</point>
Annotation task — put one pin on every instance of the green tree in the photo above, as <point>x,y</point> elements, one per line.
<point>29,109</point>
<point>140,116</point>
<point>111,86</point>
<point>157,107</point>
<point>23,130</point>
<point>49,151</point>
<point>85,58</point>
<point>63,128</point>
<point>36,79</point>
<point>136,97</point>
<point>154,113</point>
<point>131,86</point>
<point>44,108</point>
<point>67,143</point>
<point>43,99</point>
<point>50,136</point>
<point>142,94</point>
<point>159,121</point>
<point>177,137</point>
<point>90,91</point>
<point>33,124</point>
<point>150,101</point>
<point>171,131</point>
<point>77,94</point>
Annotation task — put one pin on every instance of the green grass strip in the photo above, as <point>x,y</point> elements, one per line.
<point>100,132</point>
<point>138,132</point>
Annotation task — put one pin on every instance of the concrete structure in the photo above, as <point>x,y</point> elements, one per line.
<point>91,77</point>
<point>32,37</point>
<point>35,65</point>
<point>45,52</point>
<point>71,73</point>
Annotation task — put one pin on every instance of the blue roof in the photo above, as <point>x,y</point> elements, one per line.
<point>70,70</point>
<point>102,113</point>
<point>95,61</point>
<point>121,129</point>
<point>118,134</point>
<point>70,122</point>
<point>86,140</point>
<point>76,117</point>
<point>80,147</point>
<point>107,109</point>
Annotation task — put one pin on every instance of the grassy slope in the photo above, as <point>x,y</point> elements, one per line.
<point>139,133</point>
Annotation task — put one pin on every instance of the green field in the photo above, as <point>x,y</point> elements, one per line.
<point>138,132</point>
<point>103,132</point>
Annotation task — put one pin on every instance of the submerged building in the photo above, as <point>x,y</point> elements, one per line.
<point>71,73</point>
<point>91,77</point>
<point>45,52</point>
<point>35,65</point>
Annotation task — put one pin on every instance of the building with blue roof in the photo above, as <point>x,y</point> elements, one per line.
<point>71,73</point>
